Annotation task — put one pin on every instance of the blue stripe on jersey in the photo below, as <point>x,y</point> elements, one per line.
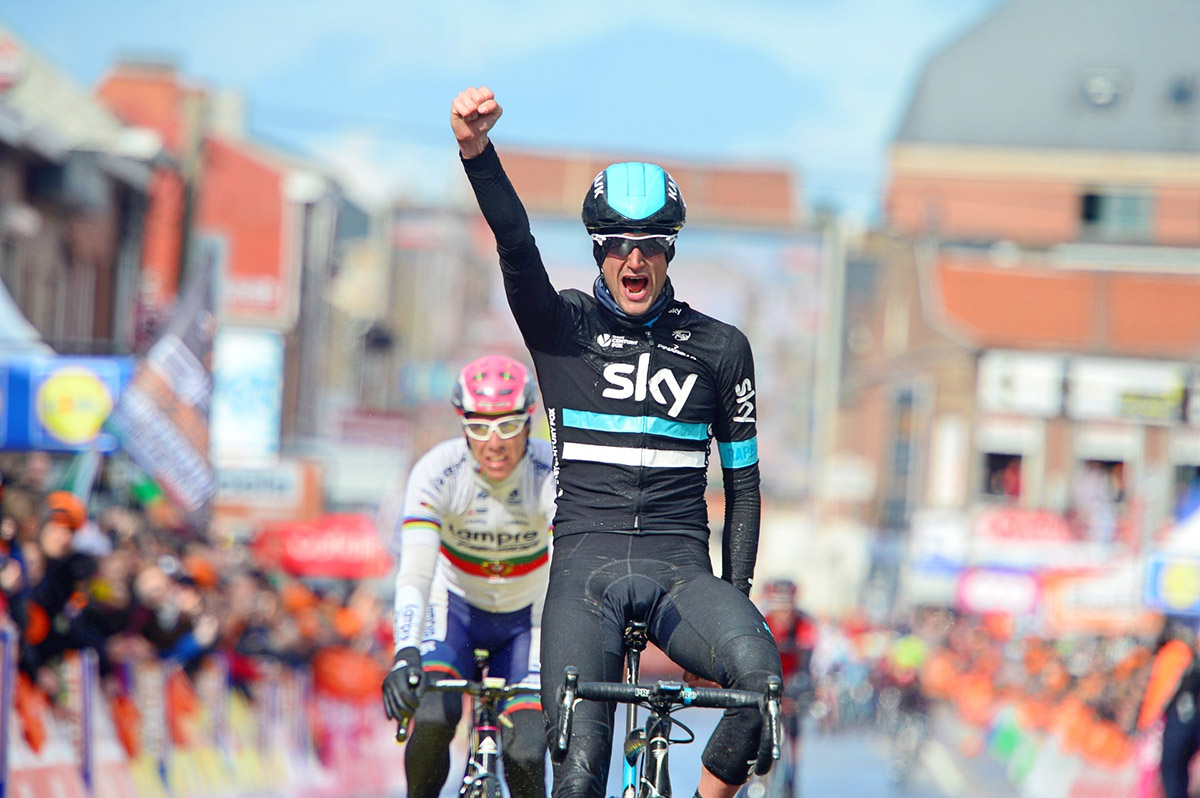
<point>738,454</point>
<point>605,422</point>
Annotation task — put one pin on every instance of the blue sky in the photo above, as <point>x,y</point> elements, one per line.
<point>813,85</point>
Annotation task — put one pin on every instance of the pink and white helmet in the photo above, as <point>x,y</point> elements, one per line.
<point>494,385</point>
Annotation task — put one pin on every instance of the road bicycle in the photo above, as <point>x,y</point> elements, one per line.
<point>481,777</point>
<point>646,746</point>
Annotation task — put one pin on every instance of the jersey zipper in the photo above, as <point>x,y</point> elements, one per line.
<point>644,442</point>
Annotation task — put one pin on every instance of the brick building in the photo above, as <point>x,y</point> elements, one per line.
<point>1020,347</point>
<point>73,194</point>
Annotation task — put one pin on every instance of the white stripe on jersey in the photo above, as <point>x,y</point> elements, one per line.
<point>629,456</point>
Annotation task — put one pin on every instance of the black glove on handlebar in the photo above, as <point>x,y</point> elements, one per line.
<point>400,696</point>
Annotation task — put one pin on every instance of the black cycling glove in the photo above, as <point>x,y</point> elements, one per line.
<point>400,696</point>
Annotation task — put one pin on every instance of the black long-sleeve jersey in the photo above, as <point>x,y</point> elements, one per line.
<point>633,408</point>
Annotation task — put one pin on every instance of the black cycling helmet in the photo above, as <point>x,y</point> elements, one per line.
<point>633,197</point>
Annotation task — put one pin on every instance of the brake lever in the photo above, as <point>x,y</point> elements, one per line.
<point>566,709</point>
<point>414,681</point>
<point>402,728</point>
<point>774,700</point>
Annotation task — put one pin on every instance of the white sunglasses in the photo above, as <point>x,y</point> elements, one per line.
<point>506,427</point>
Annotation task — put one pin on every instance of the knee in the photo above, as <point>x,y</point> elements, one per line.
<point>751,661</point>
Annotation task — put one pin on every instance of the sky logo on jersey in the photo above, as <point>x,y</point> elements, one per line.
<point>630,381</point>
<point>745,408</point>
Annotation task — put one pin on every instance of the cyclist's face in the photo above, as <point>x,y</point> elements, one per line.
<point>497,456</point>
<point>635,281</point>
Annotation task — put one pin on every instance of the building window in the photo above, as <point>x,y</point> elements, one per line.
<point>902,466</point>
<point>1097,499</point>
<point>10,269</point>
<point>1116,216</point>
<point>1187,492</point>
<point>1002,476</point>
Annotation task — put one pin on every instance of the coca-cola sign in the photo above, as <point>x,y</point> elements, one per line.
<point>1017,524</point>
<point>345,546</point>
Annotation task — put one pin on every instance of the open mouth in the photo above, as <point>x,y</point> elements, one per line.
<point>635,286</point>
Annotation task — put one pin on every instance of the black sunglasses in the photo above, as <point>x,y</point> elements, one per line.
<point>620,246</point>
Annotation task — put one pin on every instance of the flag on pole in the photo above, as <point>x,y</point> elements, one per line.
<point>80,476</point>
<point>162,417</point>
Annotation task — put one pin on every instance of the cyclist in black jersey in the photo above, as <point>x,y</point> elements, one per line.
<point>636,386</point>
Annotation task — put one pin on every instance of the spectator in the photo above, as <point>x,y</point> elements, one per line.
<point>1181,720</point>
<point>1096,502</point>
<point>50,609</point>
<point>171,615</point>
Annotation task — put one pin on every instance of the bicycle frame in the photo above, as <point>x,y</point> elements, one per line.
<point>482,761</point>
<point>635,644</point>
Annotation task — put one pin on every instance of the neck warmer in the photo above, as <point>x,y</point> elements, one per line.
<point>609,303</point>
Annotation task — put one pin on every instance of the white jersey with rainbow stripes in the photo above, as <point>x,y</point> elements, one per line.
<point>494,538</point>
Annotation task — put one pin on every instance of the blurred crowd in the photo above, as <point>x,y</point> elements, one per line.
<point>1086,692</point>
<point>116,577</point>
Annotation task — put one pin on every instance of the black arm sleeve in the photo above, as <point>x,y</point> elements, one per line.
<point>737,439</point>
<point>739,545</point>
<point>536,306</point>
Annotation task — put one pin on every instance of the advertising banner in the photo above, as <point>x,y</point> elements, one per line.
<point>1018,537</point>
<point>162,417</point>
<point>938,544</point>
<point>340,546</point>
<point>51,403</point>
<point>1027,383</point>
<point>1100,601</point>
<point>1108,388</point>
<point>1172,584</point>
<point>998,590</point>
<point>247,402</point>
